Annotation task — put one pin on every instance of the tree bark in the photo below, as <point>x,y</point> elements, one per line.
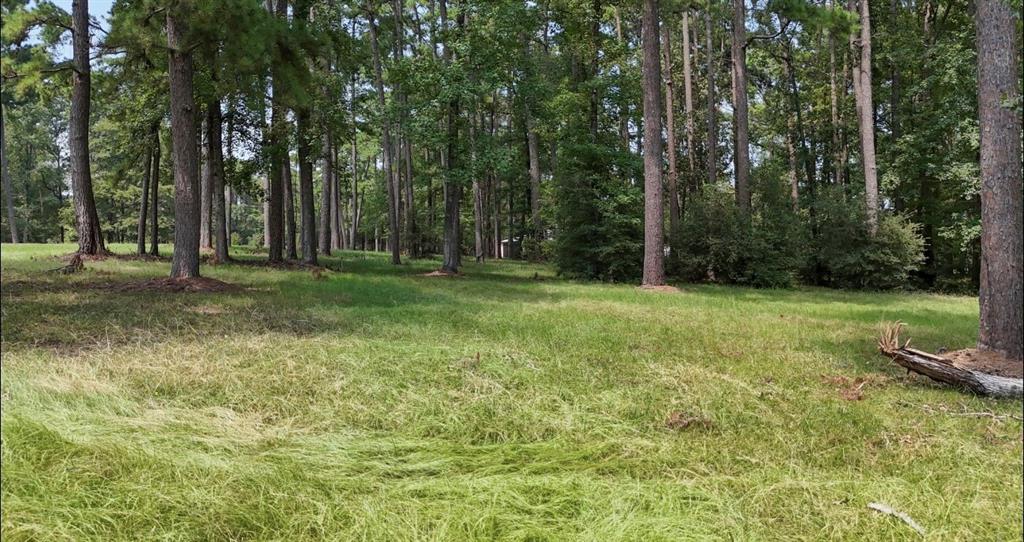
<point>274,219</point>
<point>290,234</point>
<point>1002,272</point>
<point>215,156</point>
<point>452,249</point>
<point>712,108</point>
<point>389,173</point>
<point>670,129</point>
<point>654,235</point>
<point>865,113</point>
<point>741,154</point>
<point>184,155</point>
<point>144,201</point>
<point>688,104</point>
<point>6,179</point>
<point>154,241</point>
<point>326,195</point>
<point>205,188</point>
<point>90,237</point>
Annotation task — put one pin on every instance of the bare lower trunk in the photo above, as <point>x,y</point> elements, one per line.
<point>5,176</point>
<point>215,155</point>
<point>741,154</point>
<point>1000,297</point>
<point>307,211</point>
<point>205,189</point>
<point>654,242</point>
<point>865,114</point>
<point>288,193</point>
<point>670,129</point>
<point>154,241</point>
<point>144,201</point>
<point>274,221</point>
<point>326,195</point>
<point>533,148</point>
<point>90,237</point>
<point>184,155</point>
<point>452,249</point>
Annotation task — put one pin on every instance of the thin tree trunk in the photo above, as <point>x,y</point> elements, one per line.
<point>326,195</point>
<point>290,227</point>
<point>452,250</point>
<point>670,129</point>
<point>688,103</point>
<point>837,157</point>
<point>337,218</point>
<point>184,154</point>
<point>205,188</point>
<point>6,177</point>
<point>275,193</point>
<point>389,173</point>
<point>1002,255</point>
<point>90,237</point>
<point>741,154</point>
<point>154,241</point>
<point>712,108</point>
<point>215,155</point>
<point>144,201</point>
<point>865,113</point>
<point>654,234</point>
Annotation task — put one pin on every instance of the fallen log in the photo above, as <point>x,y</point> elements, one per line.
<point>943,370</point>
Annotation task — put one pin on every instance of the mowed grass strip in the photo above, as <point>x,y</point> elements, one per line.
<point>373,403</point>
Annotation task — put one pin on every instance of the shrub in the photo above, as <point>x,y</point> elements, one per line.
<point>847,256</point>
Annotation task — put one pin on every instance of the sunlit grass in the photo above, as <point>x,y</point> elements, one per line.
<point>375,403</point>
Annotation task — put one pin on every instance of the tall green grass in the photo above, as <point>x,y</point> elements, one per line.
<point>378,404</point>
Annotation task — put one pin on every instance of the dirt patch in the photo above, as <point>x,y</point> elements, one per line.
<point>986,362</point>
<point>207,310</point>
<point>665,288</point>
<point>441,273</point>
<point>681,420</point>
<point>197,284</point>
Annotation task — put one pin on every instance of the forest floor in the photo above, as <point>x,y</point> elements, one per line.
<point>374,403</point>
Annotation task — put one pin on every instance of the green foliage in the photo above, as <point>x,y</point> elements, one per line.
<point>847,256</point>
<point>719,244</point>
<point>600,228</point>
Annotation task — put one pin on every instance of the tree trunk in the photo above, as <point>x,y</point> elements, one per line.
<point>144,201</point>
<point>90,237</point>
<point>1002,272</point>
<point>215,156</point>
<point>205,188</point>
<point>670,120</point>
<point>741,154</point>
<point>389,173</point>
<point>274,220</point>
<point>837,156</point>
<point>154,241</point>
<point>290,234</point>
<point>6,179</point>
<point>865,113</point>
<point>307,211</point>
<point>184,155</point>
<point>688,104</point>
<point>654,235</point>
<point>533,149</point>
<point>452,250</point>
<point>326,196</point>
<point>712,108</point>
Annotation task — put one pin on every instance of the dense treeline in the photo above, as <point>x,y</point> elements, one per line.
<point>764,143</point>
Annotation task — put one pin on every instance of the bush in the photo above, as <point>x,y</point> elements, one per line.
<point>600,226</point>
<point>847,256</point>
<point>718,243</point>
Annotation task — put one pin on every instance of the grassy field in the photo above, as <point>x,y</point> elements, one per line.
<point>373,403</point>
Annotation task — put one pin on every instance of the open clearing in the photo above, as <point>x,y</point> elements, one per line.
<point>373,403</point>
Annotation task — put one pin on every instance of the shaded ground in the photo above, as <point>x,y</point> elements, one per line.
<point>986,362</point>
<point>369,403</point>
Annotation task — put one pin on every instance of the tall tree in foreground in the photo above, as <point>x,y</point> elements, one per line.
<point>185,263</point>
<point>90,237</point>
<point>1002,321</point>
<point>5,177</point>
<point>654,236</point>
<point>452,248</point>
<point>388,160</point>
<point>741,155</point>
<point>866,111</point>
